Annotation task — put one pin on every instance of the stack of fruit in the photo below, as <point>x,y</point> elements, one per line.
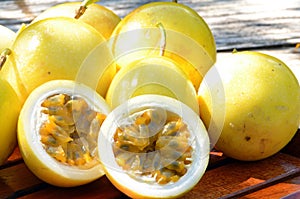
<point>141,99</point>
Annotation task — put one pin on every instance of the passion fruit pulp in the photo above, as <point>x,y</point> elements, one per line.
<point>153,146</point>
<point>57,132</point>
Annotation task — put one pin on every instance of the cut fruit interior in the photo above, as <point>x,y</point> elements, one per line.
<point>152,75</point>
<point>57,132</point>
<point>153,146</point>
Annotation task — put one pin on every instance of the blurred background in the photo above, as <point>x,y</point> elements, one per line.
<point>234,23</point>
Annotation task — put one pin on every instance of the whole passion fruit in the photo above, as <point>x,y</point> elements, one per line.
<point>153,146</point>
<point>10,107</point>
<point>57,132</point>
<point>261,109</point>
<point>152,75</point>
<point>189,40</point>
<point>54,48</point>
<point>7,36</point>
<point>101,18</point>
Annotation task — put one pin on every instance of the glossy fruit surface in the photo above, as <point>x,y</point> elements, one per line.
<point>152,75</point>
<point>9,112</point>
<point>153,146</point>
<point>188,39</point>
<point>98,16</point>
<point>262,104</point>
<point>7,37</point>
<point>57,133</point>
<point>51,49</point>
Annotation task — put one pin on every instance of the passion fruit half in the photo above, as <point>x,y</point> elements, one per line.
<point>153,146</point>
<point>57,132</point>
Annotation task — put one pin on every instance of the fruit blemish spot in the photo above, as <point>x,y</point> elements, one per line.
<point>153,145</point>
<point>69,132</point>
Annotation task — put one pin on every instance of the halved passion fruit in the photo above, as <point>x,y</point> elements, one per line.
<point>153,146</point>
<point>57,132</point>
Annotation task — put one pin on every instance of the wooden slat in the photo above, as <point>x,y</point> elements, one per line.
<point>16,178</point>
<point>14,157</point>
<point>239,178</point>
<point>295,195</point>
<point>18,181</point>
<point>230,180</point>
<point>249,23</point>
<point>288,189</point>
<point>101,188</point>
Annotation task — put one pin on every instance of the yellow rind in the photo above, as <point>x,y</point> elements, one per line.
<point>262,105</point>
<point>7,37</point>
<point>35,157</point>
<point>152,75</point>
<point>137,188</point>
<point>45,51</point>
<point>99,17</point>
<point>9,109</point>
<point>189,40</point>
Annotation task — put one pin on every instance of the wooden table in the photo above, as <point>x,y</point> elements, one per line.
<point>268,26</point>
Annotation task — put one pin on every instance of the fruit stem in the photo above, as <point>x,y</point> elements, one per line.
<point>175,1</point>
<point>234,50</point>
<point>83,6</point>
<point>163,39</point>
<point>5,53</point>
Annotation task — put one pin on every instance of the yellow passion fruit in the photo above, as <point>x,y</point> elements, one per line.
<point>57,132</point>
<point>153,146</point>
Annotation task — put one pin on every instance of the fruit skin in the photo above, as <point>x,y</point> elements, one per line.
<point>33,154</point>
<point>7,37</point>
<point>135,188</point>
<point>262,105</point>
<point>152,75</point>
<point>189,40</point>
<point>9,109</point>
<point>98,16</point>
<point>45,51</point>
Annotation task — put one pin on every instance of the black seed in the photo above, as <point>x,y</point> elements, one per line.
<point>247,138</point>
